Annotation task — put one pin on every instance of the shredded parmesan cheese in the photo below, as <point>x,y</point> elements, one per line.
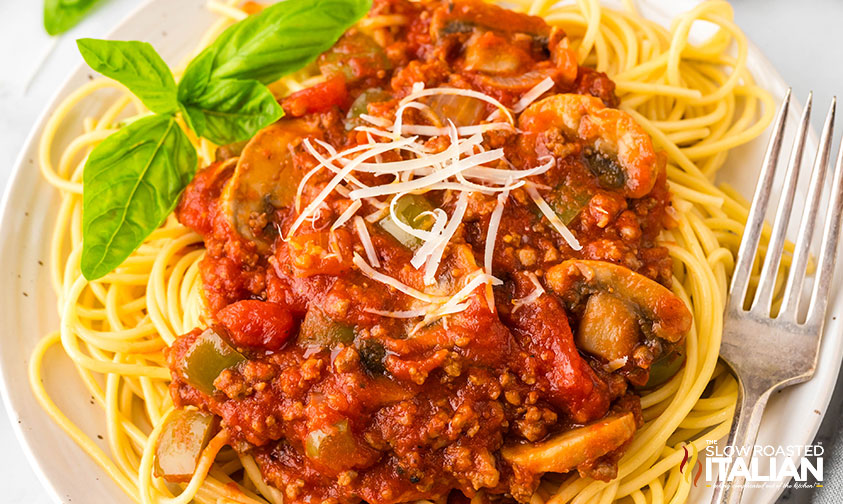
<point>533,296</point>
<point>418,166</point>
<point>402,314</point>
<point>422,130</point>
<point>420,92</point>
<point>347,214</point>
<point>553,218</point>
<point>436,256</point>
<point>377,121</point>
<point>492,232</point>
<point>423,252</point>
<point>388,280</point>
<point>366,240</point>
<point>533,94</point>
<point>423,182</point>
<point>339,177</point>
<point>478,280</point>
<point>377,215</point>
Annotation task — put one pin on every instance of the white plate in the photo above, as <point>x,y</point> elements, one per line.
<point>28,305</point>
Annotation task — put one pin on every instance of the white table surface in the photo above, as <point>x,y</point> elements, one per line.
<point>804,40</point>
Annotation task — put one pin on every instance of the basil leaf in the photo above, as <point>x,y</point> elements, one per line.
<point>132,182</point>
<point>232,110</point>
<point>194,81</point>
<point>280,39</point>
<point>137,66</point>
<point>194,119</point>
<point>62,15</point>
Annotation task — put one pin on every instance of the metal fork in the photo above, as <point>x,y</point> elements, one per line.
<point>769,352</point>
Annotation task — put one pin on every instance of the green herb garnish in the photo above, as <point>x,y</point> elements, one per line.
<point>133,179</point>
<point>137,66</point>
<point>62,15</point>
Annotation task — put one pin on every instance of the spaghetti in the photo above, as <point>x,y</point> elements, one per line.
<point>696,102</point>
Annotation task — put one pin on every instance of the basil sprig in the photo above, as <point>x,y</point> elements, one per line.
<point>62,15</point>
<point>133,179</point>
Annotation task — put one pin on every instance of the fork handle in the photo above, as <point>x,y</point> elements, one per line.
<point>742,436</point>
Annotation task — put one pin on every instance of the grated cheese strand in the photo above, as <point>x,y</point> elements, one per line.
<point>472,187</point>
<point>391,167</point>
<point>392,282</point>
<point>496,175</point>
<point>423,252</point>
<point>377,121</point>
<point>533,296</point>
<point>533,94</point>
<point>553,218</point>
<point>328,162</point>
<point>492,233</point>
<point>431,131</point>
<point>401,314</point>
<point>423,182</point>
<point>339,177</point>
<point>347,214</point>
<point>432,264</point>
<point>366,240</point>
<point>479,279</point>
<point>440,315</point>
<point>322,164</point>
<point>420,92</point>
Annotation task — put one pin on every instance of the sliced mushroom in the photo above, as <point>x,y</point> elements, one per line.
<point>608,328</point>
<point>616,149</point>
<point>266,178</point>
<point>520,82</point>
<point>463,16</point>
<point>660,312</point>
<point>494,54</point>
<point>566,451</point>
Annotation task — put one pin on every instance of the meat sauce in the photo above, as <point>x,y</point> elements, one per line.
<point>340,404</point>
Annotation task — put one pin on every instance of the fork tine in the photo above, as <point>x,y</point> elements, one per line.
<point>828,252</point>
<point>772,259</point>
<point>755,220</point>
<point>796,274</point>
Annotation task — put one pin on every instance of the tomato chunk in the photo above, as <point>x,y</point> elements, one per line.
<point>251,7</point>
<point>257,324</point>
<point>318,98</point>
